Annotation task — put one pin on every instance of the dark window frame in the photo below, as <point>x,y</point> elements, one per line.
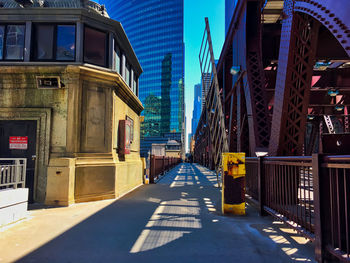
<point>106,46</point>
<point>54,46</point>
<point>4,49</point>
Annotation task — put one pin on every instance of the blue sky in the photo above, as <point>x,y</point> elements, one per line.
<point>195,12</point>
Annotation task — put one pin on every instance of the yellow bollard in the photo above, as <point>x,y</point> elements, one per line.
<point>233,186</point>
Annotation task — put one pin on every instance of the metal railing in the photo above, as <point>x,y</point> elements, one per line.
<point>12,173</point>
<point>252,186</point>
<point>332,194</point>
<point>160,164</point>
<point>311,194</point>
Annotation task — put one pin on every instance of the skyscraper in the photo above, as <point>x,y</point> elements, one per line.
<point>197,107</point>
<point>155,31</point>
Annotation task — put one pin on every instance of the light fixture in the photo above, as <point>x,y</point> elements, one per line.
<point>310,117</point>
<point>261,154</point>
<point>235,70</point>
<point>339,107</point>
<point>333,92</point>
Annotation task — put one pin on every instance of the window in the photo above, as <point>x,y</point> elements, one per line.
<point>127,74</point>
<point>44,42</point>
<point>95,46</point>
<point>12,42</point>
<point>2,36</point>
<point>54,42</point>
<point>117,57</point>
<point>135,84</point>
<point>65,42</point>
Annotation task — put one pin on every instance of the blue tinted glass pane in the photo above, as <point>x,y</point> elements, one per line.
<point>15,42</point>
<point>65,42</point>
<point>2,34</point>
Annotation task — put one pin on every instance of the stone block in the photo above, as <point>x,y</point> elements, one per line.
<point>13,205</point>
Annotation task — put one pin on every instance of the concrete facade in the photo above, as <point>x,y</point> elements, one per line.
<point>77,156</point>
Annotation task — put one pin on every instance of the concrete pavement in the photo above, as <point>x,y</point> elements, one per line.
<point>176,220</point>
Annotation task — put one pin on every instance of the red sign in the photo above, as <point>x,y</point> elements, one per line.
<point>19,142</point>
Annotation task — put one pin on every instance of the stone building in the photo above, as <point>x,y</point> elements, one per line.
<point>69,91</point>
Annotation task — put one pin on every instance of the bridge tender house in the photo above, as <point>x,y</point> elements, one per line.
<point>69,101</point>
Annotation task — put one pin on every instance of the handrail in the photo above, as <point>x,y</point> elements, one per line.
<point>12,172</point>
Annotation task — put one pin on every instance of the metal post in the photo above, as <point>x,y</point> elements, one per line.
<point>152,169</point>
<point>316,173</point>
<point>261,186</point>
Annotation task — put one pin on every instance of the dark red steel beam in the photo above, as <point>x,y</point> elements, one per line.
<point>295,70</point>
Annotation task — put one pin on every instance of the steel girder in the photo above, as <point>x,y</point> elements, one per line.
<point>258,117</point>
<point>292,92</point>
<point>296,61</point>
<point>334,15</point>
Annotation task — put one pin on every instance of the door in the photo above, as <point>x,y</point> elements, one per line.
<point>18,140</point>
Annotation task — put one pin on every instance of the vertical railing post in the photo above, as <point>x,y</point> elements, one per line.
<point>261,185</point>
<point>152,169</point>
<point>163,165</point>
<point>17,173</point>
<point>316,173</point>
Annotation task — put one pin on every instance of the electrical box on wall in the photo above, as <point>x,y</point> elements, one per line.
<point>124,140</point>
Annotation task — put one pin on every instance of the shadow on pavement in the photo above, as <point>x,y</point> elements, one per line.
<point>176,220</point>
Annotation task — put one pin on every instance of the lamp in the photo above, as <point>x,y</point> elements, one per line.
<point>339,107</point>
<point>310,117</point>
<point>235,70</point>
<point>333,92</point>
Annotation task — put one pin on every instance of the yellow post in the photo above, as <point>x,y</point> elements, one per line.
<point>233,187</point>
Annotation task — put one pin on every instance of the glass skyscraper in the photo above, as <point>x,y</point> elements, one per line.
<point>155,31</point>
<point>197,107</point>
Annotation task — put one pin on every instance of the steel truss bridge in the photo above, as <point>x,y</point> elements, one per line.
<point>281,89</point>
<point>282,83</point>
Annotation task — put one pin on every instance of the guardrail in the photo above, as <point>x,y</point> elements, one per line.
<point>311,194</point>
<point>12,173</point>
<point>160,164</point>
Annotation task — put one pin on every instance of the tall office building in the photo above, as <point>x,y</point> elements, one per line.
<point>197,107</point>
<point>155,31</point>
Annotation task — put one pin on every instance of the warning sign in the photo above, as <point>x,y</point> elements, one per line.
<point>19,142</point>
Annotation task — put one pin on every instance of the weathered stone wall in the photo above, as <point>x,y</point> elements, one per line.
<point>20,99</point>
<point>78,133</point>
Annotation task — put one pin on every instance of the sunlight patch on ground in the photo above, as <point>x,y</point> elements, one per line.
<point>168,216</point>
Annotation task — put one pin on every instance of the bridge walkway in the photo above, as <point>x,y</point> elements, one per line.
<point>176,220</point>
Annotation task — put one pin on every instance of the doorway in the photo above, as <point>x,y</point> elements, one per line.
<point>18,140</point>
